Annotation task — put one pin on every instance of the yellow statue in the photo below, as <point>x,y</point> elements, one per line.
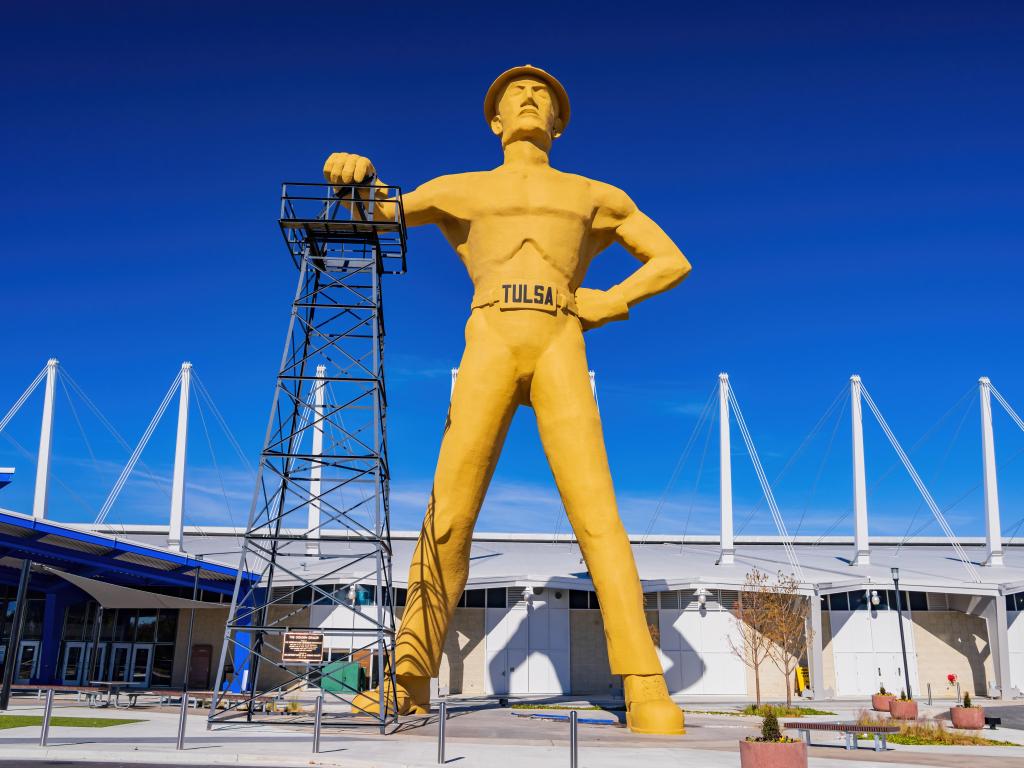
<point>527,234</point>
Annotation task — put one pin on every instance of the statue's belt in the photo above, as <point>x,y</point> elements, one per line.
<point>526,295</point>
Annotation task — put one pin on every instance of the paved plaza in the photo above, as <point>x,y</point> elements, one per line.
<point>479,735</point>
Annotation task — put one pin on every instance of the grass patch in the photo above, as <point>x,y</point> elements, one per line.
<point>554,706</point>
<point>20,721</point>
<point>781,710</point>
<point>929,733</point>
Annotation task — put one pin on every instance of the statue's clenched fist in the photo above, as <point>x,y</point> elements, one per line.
<point>348,168</point>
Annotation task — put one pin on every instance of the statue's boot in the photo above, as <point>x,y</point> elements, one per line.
<point>649,709</point>
<point>412,692</point>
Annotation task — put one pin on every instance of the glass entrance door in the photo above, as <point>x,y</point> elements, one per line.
<point>28,661</point>
<point>142,664</point>
<point>119,658</point>
<point>77,666</point>
<point>73,667</point>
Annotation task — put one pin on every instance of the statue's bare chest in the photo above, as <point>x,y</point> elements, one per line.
<point>540,199</point>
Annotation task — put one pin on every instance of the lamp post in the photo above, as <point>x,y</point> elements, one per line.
<point>899,620</point>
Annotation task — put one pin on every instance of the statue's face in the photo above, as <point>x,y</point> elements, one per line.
<point>526,110</point>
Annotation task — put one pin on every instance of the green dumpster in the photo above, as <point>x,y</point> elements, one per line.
<point>343,677</point>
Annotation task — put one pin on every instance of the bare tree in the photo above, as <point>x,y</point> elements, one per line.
<point>753,614</point>
<point>787,627</point>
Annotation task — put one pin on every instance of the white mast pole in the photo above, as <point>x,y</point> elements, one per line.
<point>39,503</point>
<point>727,552</point>
<point>993,535</point>
<point>174,530</point>
<point>861,555</point>
<point>316,467</point>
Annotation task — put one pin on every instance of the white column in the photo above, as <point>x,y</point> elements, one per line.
<point>726,555</point>
<point>996,620</point>
<point>993,535</point>
<point>316,468</point>
<point>815,651</point>
<point>861,555</point>
<point>455,375</point>
<point>45,443</point>
<point>174,531</point>
<point>593,389</point>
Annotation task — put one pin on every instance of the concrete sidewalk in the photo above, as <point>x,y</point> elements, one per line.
<point>477,739</point>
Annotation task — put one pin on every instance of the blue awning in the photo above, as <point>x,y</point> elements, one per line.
<point>109,558</point>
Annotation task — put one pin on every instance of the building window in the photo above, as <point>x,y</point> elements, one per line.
<point>581,599</point>
<point>474,598</point>
<point>838,602</point>
<point>497,598</point>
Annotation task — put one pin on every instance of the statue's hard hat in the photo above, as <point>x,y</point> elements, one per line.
<point>557,90</point>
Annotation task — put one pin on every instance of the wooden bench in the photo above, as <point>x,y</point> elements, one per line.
<point>849,731</point>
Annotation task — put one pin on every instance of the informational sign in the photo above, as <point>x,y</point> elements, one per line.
<point>303,648</point>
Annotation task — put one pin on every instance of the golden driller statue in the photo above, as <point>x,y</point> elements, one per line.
<point>527,234</point>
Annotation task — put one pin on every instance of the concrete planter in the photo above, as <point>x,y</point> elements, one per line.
<point>880,701</point>
<point>771,754</point>
<point>903,710</point>
<point>968,717</point>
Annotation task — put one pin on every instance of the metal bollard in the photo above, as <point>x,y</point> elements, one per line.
<point>316,723</point>
<point>574,741</point>
<point>181,720</point>
<point>958,692</point>
<point>929,694</point>
<point>442,721</point>
<point>47,711</point>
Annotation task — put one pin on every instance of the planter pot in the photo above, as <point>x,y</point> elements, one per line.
<point>880,701</point>
<point>903,710</point>
<point>968,717</point>
<point>767,754</point>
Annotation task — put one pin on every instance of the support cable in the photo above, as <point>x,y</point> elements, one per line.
<point>78,421</point>
<point>780,524</point>
<point>935,476</point>
<point>892,467</point>
<point>1009,409</point>
<point>223,423</point>
<point>77,389</point>
<point>796,454</point>
<point>34,458</point>
<point>134,458</point>
<point>680,463</point>
<point>957,548</point>
<point>700,472</point>
<point>216,466</point>
<point>821,469</point>
<point>24,396</point>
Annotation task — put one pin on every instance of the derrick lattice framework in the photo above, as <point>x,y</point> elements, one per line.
<point>318,535</point>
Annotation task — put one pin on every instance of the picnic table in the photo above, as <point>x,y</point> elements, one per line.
<point>849,731</point>
<point>113,689</point>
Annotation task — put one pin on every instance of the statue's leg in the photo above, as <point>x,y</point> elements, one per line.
<point>570,429</point>
<point>482,406</point>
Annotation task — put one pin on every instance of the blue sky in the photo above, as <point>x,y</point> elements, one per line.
<point>846,182</point>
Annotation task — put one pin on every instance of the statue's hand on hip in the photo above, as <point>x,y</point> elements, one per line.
<point>595,308</point>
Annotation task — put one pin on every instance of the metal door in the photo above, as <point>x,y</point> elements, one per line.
<point>142,664</point>
<point>27,661</point>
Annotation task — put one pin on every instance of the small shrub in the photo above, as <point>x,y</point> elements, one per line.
<point>903,696</point>
<point>967,700</point>
<point>770,728</point>
<point>882,691</point>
